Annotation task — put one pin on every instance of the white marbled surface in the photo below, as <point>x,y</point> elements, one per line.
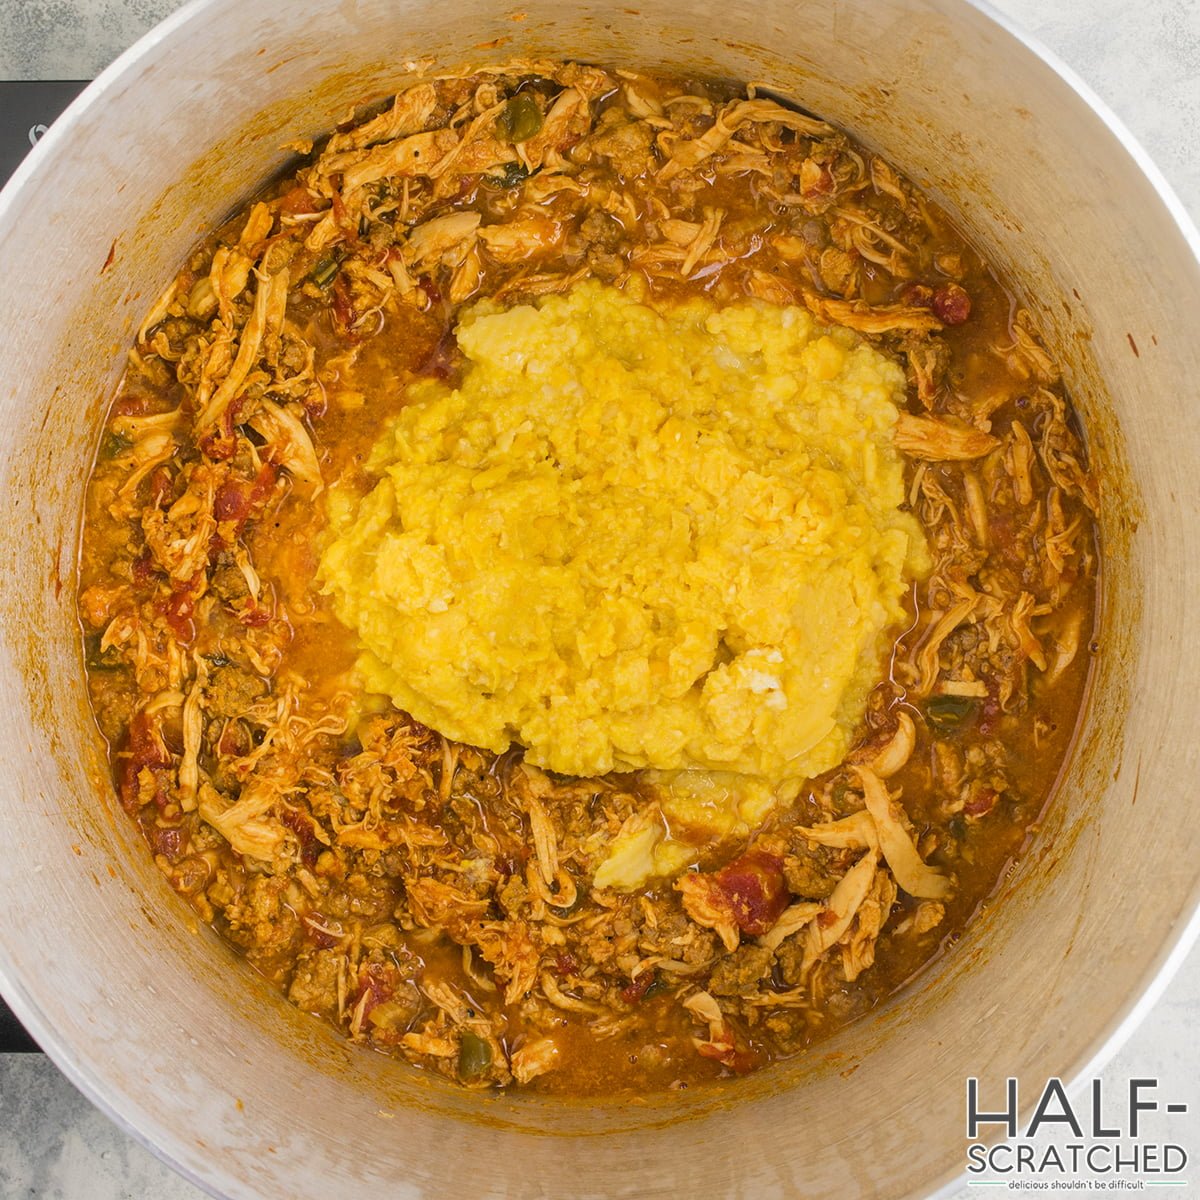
<point>1142,59</point>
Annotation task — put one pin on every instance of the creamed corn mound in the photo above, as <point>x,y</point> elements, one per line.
<point>636,536</point>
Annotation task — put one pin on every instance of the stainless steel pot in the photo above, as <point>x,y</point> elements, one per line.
<point>156,1021</point>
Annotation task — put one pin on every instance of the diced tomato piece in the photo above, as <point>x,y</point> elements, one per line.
<point>951,304</point>
<point>342,304</point>
<point>982,801</point>
<point>737,1060</point>
<point>754,890</point>
<point>142,763</point>
<point>298,202</point>
<point>178,609</point>
<point>168,841</point>
<point>432,292</point>
<point>565,963</point>
<point>220,443</point>
<point>636,990</point>
<point>237,499</point>
<point>377,983</point>
<point>142,572</point>
<point>162,487</point>
<point>302,826</point>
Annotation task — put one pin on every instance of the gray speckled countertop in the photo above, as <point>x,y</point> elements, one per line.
<point>1142,59</point>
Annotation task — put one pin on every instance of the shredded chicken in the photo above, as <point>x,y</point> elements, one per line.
<point>896,844</point>
<point>830,925</point>
<point>445,903</point>
<point>940,441</point>
<point>534,1058</point>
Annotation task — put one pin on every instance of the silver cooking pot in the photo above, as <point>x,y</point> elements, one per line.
<point>159,1024</point>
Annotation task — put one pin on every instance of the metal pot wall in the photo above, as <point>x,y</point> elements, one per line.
<point>156,1021</point>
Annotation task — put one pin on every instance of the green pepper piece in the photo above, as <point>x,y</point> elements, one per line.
<point>949,712</point>
<point>509,175</point>
<point>102,660</point>
<point>474,1056</point>
<point>655,989</point>
<point>114,444</point>
<point>324,273</point>
<point>520,118</point>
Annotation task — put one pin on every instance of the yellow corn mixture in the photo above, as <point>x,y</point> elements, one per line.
<point>636,537</point>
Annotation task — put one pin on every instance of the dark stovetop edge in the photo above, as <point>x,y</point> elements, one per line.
<point>26,107</point>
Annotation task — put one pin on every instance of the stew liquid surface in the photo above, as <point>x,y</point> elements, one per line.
<point>435,900</point>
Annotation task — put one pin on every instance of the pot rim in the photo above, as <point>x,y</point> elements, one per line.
<point>1179,941</point>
